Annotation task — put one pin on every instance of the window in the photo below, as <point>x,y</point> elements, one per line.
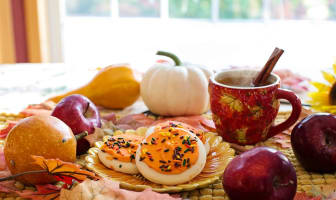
<point>216,33</point>
<point>241,9</point>
<point>88,7</point>
<point>139,8</point>
<point>200,9</point>
<point>207,9</point>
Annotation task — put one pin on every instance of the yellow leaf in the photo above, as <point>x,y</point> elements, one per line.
<point>216,119</point>
<point>58,167</point>
<point>328,77</point>
<point>256,111</point>
<point>234,103</point>
<point>320,86</point>
<point>241,135</point>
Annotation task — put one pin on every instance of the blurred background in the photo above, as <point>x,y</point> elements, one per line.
<point>66,40</point>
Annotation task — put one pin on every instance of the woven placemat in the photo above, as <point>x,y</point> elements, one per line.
<point>307,182</point>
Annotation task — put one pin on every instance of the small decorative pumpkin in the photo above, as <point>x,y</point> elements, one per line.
<point>176,90</point>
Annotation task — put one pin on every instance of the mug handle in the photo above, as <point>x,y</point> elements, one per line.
<point>294,116</point>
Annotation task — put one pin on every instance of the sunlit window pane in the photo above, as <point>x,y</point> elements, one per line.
<point>332,9</point>
<point>302,9</point>
<point>139,8</point>
<point>190,9</point>
<point>240,9</point>
<point>88,7</point>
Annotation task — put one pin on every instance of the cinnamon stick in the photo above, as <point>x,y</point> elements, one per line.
<point>268,67</point>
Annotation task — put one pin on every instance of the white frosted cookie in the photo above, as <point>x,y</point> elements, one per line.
<point>170,156</point>
<point>118,153</point>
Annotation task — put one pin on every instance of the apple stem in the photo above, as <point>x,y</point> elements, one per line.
<point>81,135</point>
<point>21,174</point>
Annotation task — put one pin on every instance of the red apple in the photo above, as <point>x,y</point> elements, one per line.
<point>262,173</point>
<point>81,115</point>
<point>314,142</point>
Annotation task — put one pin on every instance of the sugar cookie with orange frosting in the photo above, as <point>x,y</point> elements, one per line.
<point>170,156</point>
<point>199,133</point>
<point>118,153</point>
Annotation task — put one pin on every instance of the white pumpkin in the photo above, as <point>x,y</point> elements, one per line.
<point>176,90</point>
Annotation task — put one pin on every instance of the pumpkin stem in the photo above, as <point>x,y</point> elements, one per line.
<point>81,135</point>
<point>170,55</point>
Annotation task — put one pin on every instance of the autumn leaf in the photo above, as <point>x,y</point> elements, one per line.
<point>304,196</point>
<point>109,190</point>
<point>5,130</point>
<point>96,136</point>
<point>283,140</point>
<point>256,111</point>
<point>43,192</point>
<point>216,119</point>
<point>241,134</point>
<point>64,171</point>
<point>234,103</point>
<point>5,186</point>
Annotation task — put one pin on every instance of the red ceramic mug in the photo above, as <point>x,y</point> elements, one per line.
<point>244,114</point>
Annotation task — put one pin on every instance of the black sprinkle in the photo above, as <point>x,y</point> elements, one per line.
<point>151,159</point>
<point>120,166</point>
<point>142,158</point>
<point>162,166</point>
<point>166,150</point>
<point>162,161</point>
<point>163,140</point>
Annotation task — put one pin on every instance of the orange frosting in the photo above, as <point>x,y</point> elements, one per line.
<point>170,150</point>
<point>199,133</point>
<point>122,147</point>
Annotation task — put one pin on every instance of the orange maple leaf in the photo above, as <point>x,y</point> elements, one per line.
<point>63,169</point>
